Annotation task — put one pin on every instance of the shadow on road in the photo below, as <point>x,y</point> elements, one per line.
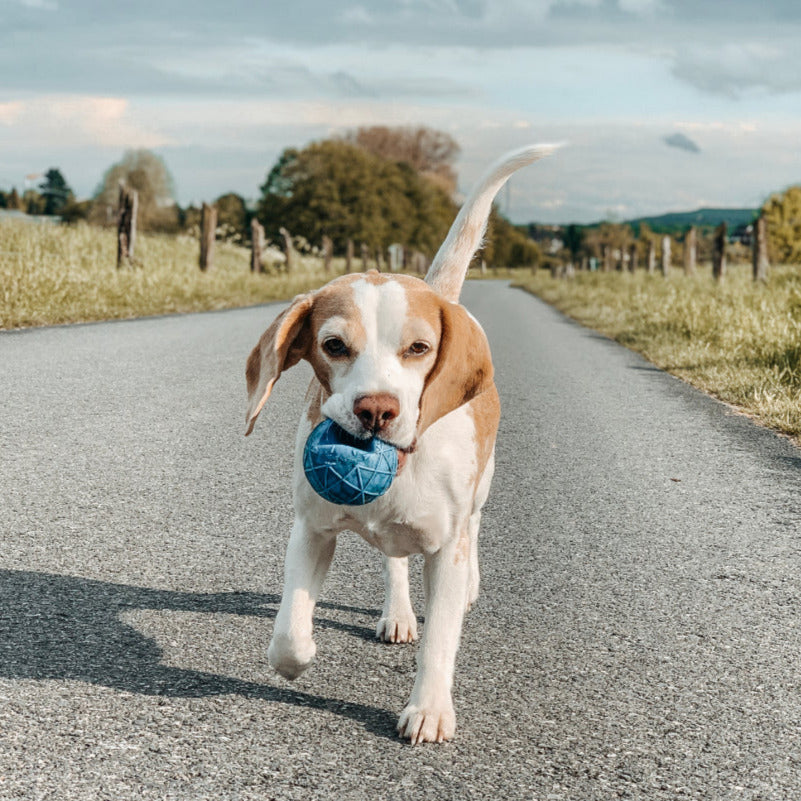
<point>67,628</point>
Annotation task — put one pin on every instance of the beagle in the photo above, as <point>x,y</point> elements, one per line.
<point>398,358</point>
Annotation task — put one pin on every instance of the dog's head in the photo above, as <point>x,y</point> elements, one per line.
<point>392,355</point>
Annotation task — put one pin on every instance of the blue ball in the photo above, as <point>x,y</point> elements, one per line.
<point>346,470</point>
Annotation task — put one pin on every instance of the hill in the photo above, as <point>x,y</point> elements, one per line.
<point>703,218</point>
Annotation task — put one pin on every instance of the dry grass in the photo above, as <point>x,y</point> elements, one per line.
<point>56,274</point>
<point>740,342</point>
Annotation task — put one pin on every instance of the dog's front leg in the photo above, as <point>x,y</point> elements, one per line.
<point>308,557</point>
<point>429,715</point>
<point>397,623</point>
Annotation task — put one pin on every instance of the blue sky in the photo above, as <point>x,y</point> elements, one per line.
<point>665,104</point>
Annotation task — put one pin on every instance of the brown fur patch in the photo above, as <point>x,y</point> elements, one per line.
<point>485,409</point>
<point>463,368</point>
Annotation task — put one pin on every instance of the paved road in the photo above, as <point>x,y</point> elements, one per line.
<point>638,633</point>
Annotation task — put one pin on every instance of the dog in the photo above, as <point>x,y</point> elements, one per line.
<point>397,358</point>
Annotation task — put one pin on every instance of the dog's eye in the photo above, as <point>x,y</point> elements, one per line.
<point>418,348</point>
<point>335,347</point>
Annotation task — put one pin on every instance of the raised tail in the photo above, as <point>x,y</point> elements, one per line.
<point>449,268</point>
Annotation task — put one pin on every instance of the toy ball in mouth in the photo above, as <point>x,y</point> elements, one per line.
<point>346,470</point>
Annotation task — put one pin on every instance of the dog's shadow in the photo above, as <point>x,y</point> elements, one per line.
<point>65,628</point>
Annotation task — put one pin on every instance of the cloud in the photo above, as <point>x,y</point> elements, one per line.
<point>682,142</point>
<point>76,121</point>
<point>734,70</point>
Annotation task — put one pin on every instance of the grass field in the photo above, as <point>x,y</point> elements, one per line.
<point>740,342</point>
<point>52,274</point>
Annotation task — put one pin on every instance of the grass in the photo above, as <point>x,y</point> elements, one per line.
<point>739,341</point>
<point>51,274</point>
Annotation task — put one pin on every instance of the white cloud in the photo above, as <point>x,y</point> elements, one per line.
<point>45,5</point>
<point>76,121</point>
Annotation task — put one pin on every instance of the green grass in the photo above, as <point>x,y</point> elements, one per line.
<point>740,341</point>
<point>52,274</point>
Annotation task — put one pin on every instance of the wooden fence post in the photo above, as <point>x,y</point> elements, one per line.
<point>690,250</point>
<point>349,256</point>
<point>760,249</point>
<point>633,254</point>
<point>719,253</point>
<point>665,256</point>
<point>328,253</point>
<point>288,249</point>
<point>126,226</point>
<point>208,229</point>
<point>606,258</point>
<point>650,262</point>
<point>365,257</point>
<point>256,245</point>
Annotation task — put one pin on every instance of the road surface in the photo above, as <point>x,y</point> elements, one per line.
<point>637,635</point>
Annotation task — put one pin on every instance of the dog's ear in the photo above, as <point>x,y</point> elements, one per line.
<point>282,345</point>
<point>462,370</point>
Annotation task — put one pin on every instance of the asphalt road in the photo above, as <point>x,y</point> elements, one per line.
<point>637,635</point>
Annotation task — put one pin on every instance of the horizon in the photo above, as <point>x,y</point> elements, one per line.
<point>664,105</point>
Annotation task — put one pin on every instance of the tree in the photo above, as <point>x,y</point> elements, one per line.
<point>783,217</point>
<point>13,201</point>
<point>33,202</point>
<point>429,152</point>
<point>147,173</point>
<point>233,218</point>
<point>508,246</point>
<point>56,191</point>
<point>338,189</point>
<point>574,240</point>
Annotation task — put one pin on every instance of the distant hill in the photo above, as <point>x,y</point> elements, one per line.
<point>702,218</point>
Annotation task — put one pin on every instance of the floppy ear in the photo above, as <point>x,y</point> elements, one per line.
<point>283,344</point>
<point>463,368</point>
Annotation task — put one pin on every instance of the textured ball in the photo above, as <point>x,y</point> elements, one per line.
<point>346,470</point>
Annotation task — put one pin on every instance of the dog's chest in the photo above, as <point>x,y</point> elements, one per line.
<point>426,503</point>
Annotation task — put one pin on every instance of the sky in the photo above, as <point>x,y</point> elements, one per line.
<point>663,105</point>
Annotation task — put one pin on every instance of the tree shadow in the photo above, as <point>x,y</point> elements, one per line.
<point>66,628</point>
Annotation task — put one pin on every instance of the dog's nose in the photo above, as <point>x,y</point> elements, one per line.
<point>376,411</point>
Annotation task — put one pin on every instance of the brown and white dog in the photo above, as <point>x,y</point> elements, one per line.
<point>397,358</point>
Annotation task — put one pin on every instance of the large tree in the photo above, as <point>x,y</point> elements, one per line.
<point>429,152</point>
<point>147,173</point>
<point>341,190</point>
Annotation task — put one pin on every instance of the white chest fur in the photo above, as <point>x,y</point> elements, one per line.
<point>425,501</point>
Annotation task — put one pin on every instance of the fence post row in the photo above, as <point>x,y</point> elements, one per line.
<point>208,230</point>
<point>256,245</point>
<point>126,226</point>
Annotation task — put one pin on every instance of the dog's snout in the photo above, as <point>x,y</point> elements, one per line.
<point>376,411</point>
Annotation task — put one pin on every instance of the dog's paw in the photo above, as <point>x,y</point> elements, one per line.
<point>397,629</point>
<point>290,657</point>
<point>434,723</point>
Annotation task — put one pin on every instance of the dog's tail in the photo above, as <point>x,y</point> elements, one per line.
<point>449,268</point>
